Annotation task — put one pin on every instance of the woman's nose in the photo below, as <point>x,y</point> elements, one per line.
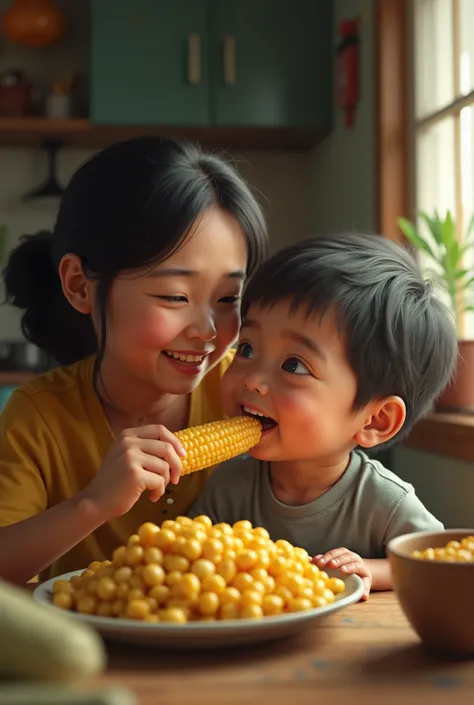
<point>204,328</point>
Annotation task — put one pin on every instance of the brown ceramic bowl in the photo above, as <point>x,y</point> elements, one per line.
<point>436,596</point>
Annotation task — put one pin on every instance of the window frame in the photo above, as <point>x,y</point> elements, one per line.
<point>452,109</point>
<point>394,163</point>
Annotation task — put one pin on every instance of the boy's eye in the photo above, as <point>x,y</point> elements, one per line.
<point>295,366</point>
<point>245,350</point>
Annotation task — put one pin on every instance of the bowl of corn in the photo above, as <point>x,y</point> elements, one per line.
<point>433,577</point>
<point>191,583</point>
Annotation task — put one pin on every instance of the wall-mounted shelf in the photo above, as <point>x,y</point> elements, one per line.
<point>81,133</point>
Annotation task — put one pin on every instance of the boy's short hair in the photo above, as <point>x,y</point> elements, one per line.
<point>400,337</point>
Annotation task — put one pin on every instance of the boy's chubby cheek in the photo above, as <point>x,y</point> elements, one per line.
<point>295,409</point>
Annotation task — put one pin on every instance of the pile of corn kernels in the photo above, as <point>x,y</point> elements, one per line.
<point>191,570</point>
<point>454,552</point>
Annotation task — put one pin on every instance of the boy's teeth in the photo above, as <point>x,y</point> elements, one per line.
<point>252,411</point>
<point>184,358</point>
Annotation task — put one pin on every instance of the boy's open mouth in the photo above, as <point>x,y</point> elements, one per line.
<point>267,422</point>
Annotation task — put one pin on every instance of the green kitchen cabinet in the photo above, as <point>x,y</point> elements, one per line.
<point>271,62</point>
<point>228,63</point>
<point>149,62</point>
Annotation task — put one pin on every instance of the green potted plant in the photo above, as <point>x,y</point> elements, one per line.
<point>438,239</point>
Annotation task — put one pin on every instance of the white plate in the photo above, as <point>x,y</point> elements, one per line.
<point>209,634</point>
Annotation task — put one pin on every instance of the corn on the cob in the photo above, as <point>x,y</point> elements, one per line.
<point>217,441</point>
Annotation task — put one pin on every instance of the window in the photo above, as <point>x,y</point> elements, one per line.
<point>444,109</point>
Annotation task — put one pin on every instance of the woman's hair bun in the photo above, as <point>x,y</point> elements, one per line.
<point>30,273</point>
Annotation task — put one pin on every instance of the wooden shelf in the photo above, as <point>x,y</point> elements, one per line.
<point>80,132</point>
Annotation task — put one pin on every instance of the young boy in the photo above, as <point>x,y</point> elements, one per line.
<point>343,347</point>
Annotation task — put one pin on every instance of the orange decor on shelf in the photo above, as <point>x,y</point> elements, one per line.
<point>32,23</point>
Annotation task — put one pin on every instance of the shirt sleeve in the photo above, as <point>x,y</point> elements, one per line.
<point>409,516</point>
<point>25,447</point>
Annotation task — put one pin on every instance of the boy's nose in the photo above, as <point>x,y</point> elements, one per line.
<point>255,382</point>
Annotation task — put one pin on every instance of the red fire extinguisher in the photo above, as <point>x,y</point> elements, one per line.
<point>348,70</point>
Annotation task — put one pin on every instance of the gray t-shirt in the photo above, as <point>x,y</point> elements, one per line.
<point>366,507</point>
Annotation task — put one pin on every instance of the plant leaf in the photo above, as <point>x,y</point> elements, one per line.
<point>460,273</point>
<point>408,229</point>
<point>442,243</point>
<point>434,227</point>
<point>469,283</point>
<point>454,255</point>
<point>448,229</point>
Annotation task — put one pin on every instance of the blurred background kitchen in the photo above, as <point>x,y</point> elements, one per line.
<point>254,79</point>
<point>342,114</point>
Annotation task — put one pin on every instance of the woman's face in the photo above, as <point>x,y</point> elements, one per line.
<point>170,325</point>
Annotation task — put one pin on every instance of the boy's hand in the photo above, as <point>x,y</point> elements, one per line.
<point>349,563</point>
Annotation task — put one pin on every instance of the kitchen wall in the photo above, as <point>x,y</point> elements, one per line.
<point>343,167</point>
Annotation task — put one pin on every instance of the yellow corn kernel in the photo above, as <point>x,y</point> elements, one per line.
<point>218,441</point>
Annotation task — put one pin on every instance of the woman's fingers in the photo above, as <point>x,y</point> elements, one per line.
<point>158,433</point>
<point>162,451</point>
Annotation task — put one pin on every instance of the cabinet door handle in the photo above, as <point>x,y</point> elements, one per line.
<point>194,59</point>
<point>230,64</point>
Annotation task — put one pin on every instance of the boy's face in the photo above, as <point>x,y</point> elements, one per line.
<point>293,369</point>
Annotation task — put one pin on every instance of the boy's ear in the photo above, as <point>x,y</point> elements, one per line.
<point>384,419</point>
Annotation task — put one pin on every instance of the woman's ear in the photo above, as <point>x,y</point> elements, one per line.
<point>384,419</point>
<point>77,288</point>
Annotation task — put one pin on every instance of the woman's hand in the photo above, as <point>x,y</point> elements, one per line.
<point>349,563</point>
<point>144,458</point>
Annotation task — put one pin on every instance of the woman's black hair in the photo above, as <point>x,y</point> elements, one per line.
<point>130,206</point>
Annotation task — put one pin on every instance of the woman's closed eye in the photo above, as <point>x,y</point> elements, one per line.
<point>180,298</point>
<point>175,299</point>
<point>234,299</point>
<point>295,366</point>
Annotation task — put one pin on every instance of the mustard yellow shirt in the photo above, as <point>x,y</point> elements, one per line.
<point>53,438</point>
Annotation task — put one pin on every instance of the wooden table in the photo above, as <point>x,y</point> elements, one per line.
<point>367,653</point>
